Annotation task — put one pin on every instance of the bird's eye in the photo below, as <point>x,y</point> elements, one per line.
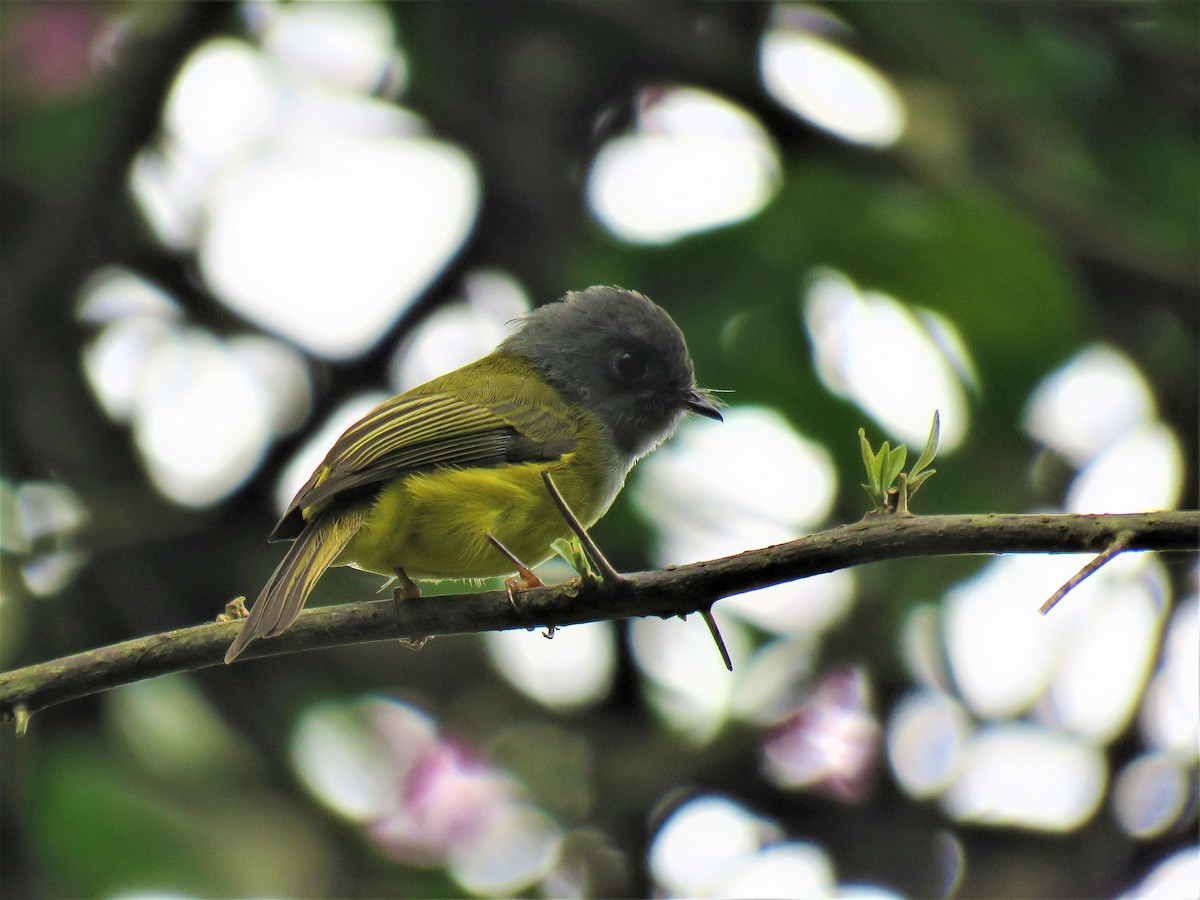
<point>630,366</point>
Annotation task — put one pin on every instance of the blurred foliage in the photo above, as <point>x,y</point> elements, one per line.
<point>1045,197</point>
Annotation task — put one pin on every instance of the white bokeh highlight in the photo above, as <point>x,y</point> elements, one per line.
<point>1108,654</point>
<point>342,762</point>
<point>927,733</point>
<point>223,101</point>
<point>313,208</point>
<point>350,47</point>
<point>711,846</point>
<point>519,845</point>
<point>776,484</point>
<point>1150,794</point>
<point>830,87</point>
<point>327,242</point>
<point>204,410</point>
<point>1092,653</point>
<point>1021,775</point>
<point>316,210</point>
<point>202,421</point>
<point>694,161</point>
<point>1001,651</point>
<point>1087,405</point>
<point>773,678</point>
<point>114,360</point>
<point>793,869</point>
<point>460,330</point>
<point>1176,876</point>
<point>885,356</point>
<point>686,681</point>
<point>282,373</point>
<point>574,669</point>
<point>703,841</point>
<point>43,525</point>
<point>808,606</point>
<point>1098,412</point>
<point>113,294</point>
<point>1143,470</point>
<point>923,647</point>
<point>1170,713</point>
<point>1080,674</point>
<point>135,317</point>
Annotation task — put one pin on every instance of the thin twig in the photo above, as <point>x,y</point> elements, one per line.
<point>1119,545</point>
<point>716,636</point>
<point>607,572</point>
<point>509,555</point>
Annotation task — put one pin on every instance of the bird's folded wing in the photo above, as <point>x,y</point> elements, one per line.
<point>411,434</point>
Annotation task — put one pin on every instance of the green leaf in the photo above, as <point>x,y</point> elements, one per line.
<point>930,451</point>
<point>915,483</point>
<point>872,463</point>
<point>894,465</point>
<point>571,551</point>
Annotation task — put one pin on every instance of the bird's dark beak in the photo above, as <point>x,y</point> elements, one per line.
<point>697,402</point>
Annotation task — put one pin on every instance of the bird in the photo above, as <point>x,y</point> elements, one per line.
<point>444,481</point>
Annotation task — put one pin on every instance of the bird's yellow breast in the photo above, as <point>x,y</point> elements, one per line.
<point>435,524</point>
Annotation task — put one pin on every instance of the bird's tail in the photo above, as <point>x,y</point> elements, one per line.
<point>282,599</point>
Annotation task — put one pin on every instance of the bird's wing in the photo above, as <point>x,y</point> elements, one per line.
<point>418,432</point>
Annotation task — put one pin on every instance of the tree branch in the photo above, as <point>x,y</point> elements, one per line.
<point>674,591</point>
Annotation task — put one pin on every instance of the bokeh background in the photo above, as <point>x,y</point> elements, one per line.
<point>228,229</point>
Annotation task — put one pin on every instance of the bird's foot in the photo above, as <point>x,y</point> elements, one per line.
<point>523,580</point>
<point>406,589</point>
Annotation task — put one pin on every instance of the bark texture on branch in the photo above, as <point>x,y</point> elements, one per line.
<point>677,590</point>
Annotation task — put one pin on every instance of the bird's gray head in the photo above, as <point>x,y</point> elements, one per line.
<point>622,357</point>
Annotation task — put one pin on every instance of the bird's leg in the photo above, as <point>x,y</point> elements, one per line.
<point>524,578</point>
<point>406,589</point>
<point>607,573</point>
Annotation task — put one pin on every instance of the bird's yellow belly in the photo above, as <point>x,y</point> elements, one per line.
<point>434,525</point>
